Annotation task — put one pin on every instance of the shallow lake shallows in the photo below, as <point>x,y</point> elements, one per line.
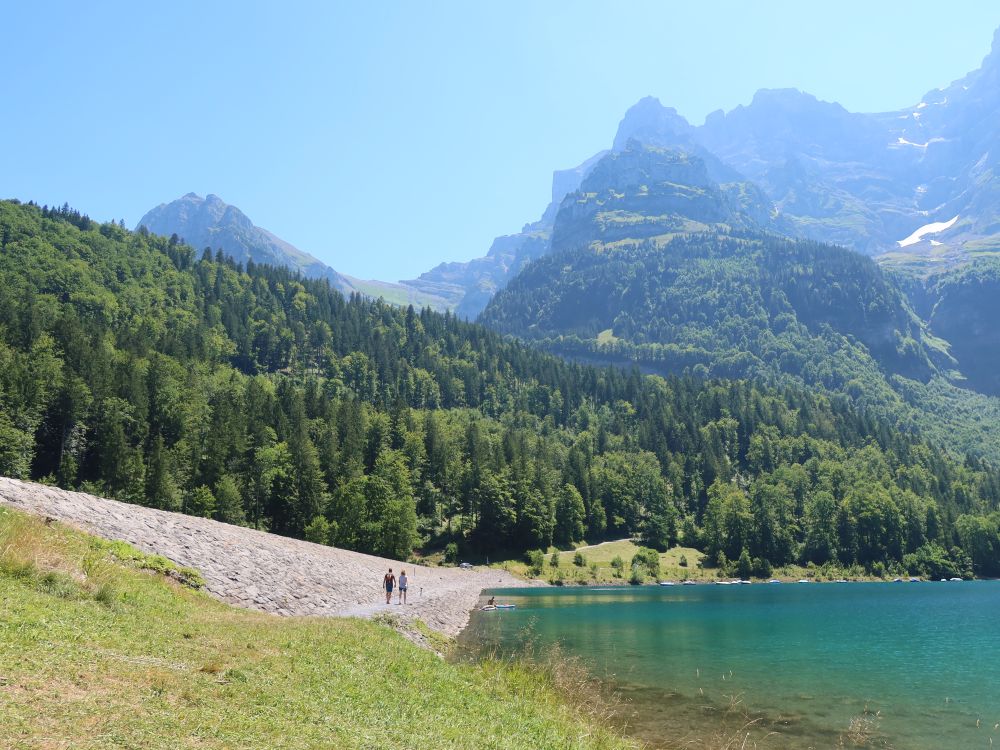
<point>805,661</point>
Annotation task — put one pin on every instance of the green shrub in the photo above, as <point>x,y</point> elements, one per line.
<point>931,561</point>
<point>762,567</point>
<point>318,531</point>
<point>126,553</point>
<point>721,561</point>
<point>579,560</point>
<point>60,584</point>
<point>744,566</point>
<point>536,561</point>
<point>649,559</point>
<point>689,532</point>
<point>107,594</point>
<point>451,553</point>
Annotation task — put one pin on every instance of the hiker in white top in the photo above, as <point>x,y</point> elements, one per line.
<point>402,587</point>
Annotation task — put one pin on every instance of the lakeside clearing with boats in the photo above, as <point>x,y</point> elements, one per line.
<point>611,563</point>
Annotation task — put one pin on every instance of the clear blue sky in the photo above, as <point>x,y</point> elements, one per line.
<point>385,137</point>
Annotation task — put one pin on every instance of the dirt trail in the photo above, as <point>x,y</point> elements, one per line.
<point>262,571</point>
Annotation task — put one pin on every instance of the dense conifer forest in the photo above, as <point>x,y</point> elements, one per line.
<point>770,309</point>
<point>136,367</point>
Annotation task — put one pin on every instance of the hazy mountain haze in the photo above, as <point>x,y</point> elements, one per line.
<point>447,118</point>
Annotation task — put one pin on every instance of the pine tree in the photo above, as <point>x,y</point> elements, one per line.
<point>570,516</point>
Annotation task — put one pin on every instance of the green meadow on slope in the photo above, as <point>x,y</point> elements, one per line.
<point>98,652</point>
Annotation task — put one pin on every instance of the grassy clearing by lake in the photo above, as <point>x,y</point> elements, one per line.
<point>601,555</point>
<point>676,564</point>
<point>100,648</point>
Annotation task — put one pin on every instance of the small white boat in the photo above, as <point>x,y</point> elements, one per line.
<point>897,580</point>
<point>689,582</point>
<point>915,579</point>
<point>667,583</point>
<point>774,580</point>
<point>743,583</point>
<point>804,580</point>
<point>841,580</point>
<point>955,579</point>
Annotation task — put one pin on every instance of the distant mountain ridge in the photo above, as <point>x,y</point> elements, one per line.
<point>917,188</point>
<point>213,223</point>
<point>867,182</point>
<point>473,283</point>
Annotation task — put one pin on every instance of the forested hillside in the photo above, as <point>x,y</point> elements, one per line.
<point>753,305</point>
<point>133,366</point>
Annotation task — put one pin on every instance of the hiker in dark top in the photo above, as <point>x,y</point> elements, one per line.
<point>389,582</point>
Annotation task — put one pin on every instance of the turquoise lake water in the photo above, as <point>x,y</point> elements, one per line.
<point>911,665</point>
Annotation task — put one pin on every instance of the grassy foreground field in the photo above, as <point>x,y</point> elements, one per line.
<point>104,647</point>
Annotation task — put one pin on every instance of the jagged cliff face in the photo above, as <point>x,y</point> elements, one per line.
<point>954,132</point>
<point>884,184</point>
<point>645,192</point>
<point>917,188</point>
<point>869,181</point>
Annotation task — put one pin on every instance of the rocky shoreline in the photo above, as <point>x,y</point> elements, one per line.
<point>266,572</point>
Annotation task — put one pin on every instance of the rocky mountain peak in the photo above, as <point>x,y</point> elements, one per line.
<point>211,222</point>
<point>650,122</point>
<point>640,163</point>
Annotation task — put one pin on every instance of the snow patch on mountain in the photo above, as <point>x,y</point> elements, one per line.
<point>935,227</point>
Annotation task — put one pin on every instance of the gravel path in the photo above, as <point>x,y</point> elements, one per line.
<point>262,571</point>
